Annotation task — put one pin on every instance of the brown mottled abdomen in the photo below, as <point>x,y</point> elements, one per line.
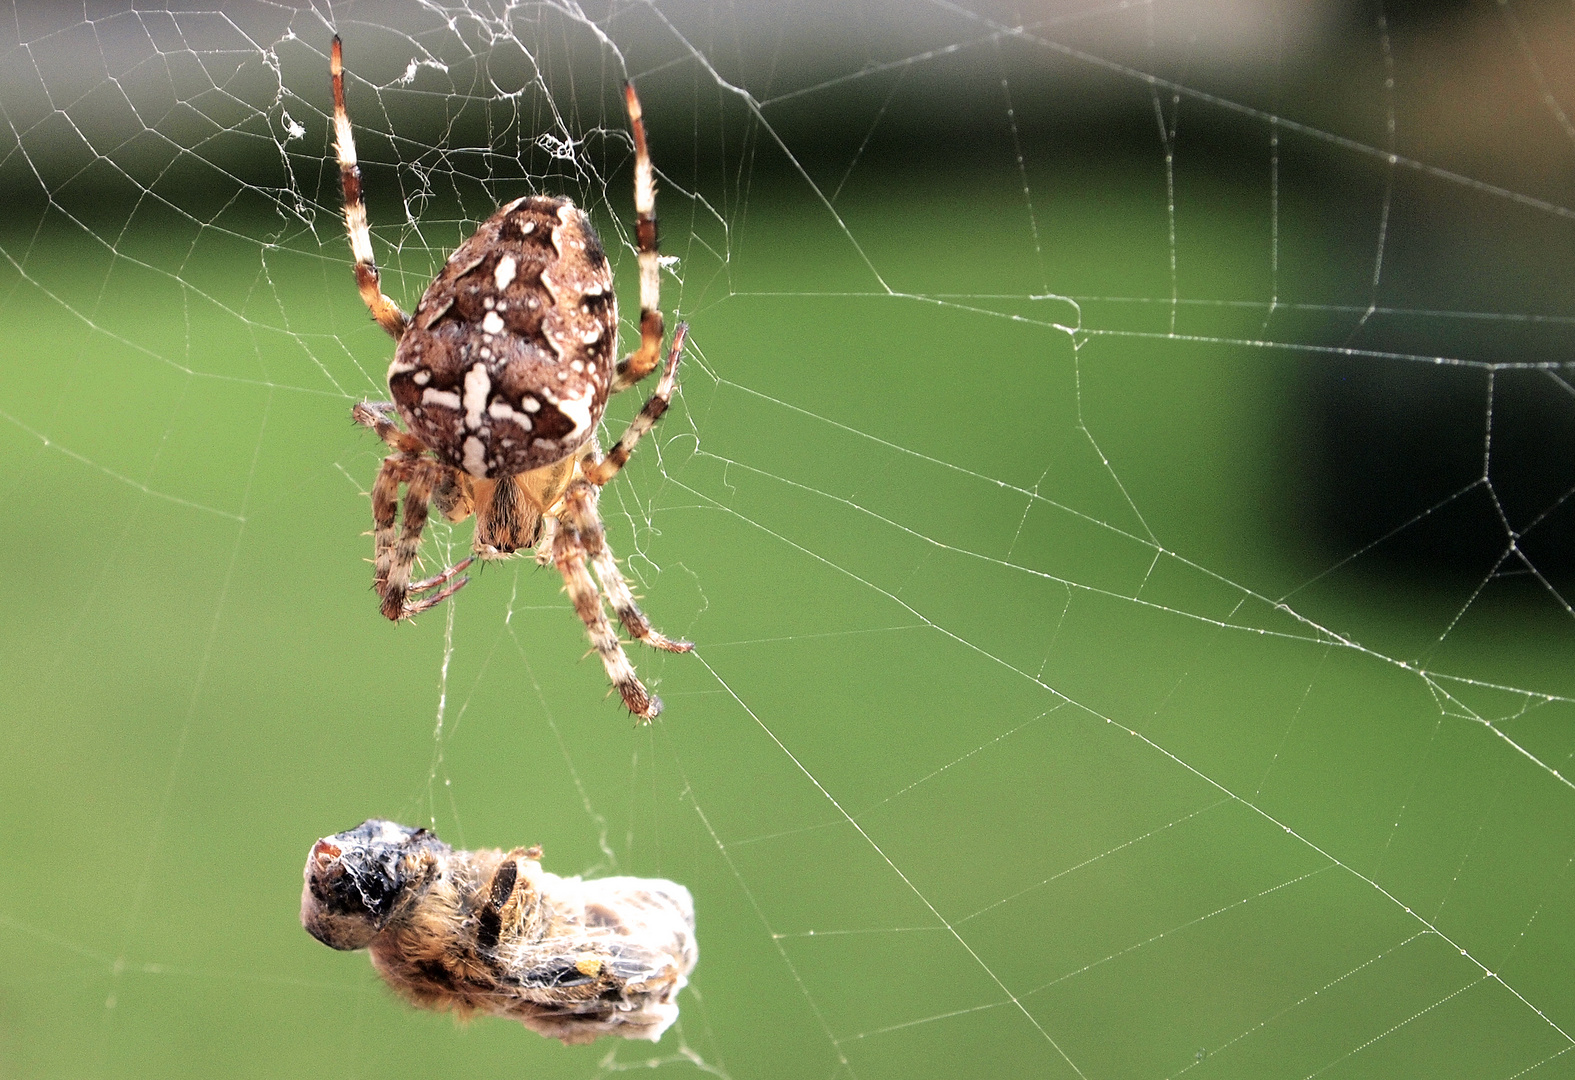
<point>507,362</point>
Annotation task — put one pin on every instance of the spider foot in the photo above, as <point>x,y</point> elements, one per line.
<point>399,605</point>
<point>396,609</point>
<point>667,644</point>
<point>644,705</point>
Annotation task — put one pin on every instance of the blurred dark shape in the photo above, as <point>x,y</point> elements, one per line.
<point>1401,472</point>
<point>1456,457</point>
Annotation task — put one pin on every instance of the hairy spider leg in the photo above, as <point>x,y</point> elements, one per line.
<point>393,558</point>
<point>588,523</point>
<point>379,416</point>
<point>384,310</point>
<point>437,579</point>
<point>577,528</point>
<point>642,361</point>
<point>616,586</point>
<point>604,470</point>
<point>593,536</point>
<point>426,481</point>
<point>424,475</point>
<point>454,494</point>
<point>385,505</point>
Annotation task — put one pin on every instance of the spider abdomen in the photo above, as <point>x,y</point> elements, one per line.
<point>507,362</point>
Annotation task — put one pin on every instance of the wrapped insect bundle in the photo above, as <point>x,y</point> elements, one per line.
<point>492,932</point>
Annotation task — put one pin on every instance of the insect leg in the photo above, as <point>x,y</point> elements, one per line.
<point>489,921</point>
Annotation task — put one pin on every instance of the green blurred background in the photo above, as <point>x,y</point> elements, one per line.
<point>1111,661</point>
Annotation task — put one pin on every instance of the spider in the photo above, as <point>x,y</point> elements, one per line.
<point>501,377</point>
<point>491,931</point>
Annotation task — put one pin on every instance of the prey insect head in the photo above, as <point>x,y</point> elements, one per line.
<point>358,879</point>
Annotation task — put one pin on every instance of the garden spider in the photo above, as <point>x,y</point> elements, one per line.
<point>501,377</point>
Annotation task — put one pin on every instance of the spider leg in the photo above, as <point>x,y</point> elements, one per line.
<point>379,416</point>
<point>384,310</point>
<point>616,586</point>
<point>640,363</point>
<point>453,494</point>
<point>437,579</point>
<point>546,541</point>
<point>569,551</point>
<point>385,504</point>
<point>395,560</point>
<point>605,469</point>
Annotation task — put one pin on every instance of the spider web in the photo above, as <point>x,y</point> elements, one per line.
<point>1119,489</point>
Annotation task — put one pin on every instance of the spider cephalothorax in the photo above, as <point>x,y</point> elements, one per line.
<point>501,378</point>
